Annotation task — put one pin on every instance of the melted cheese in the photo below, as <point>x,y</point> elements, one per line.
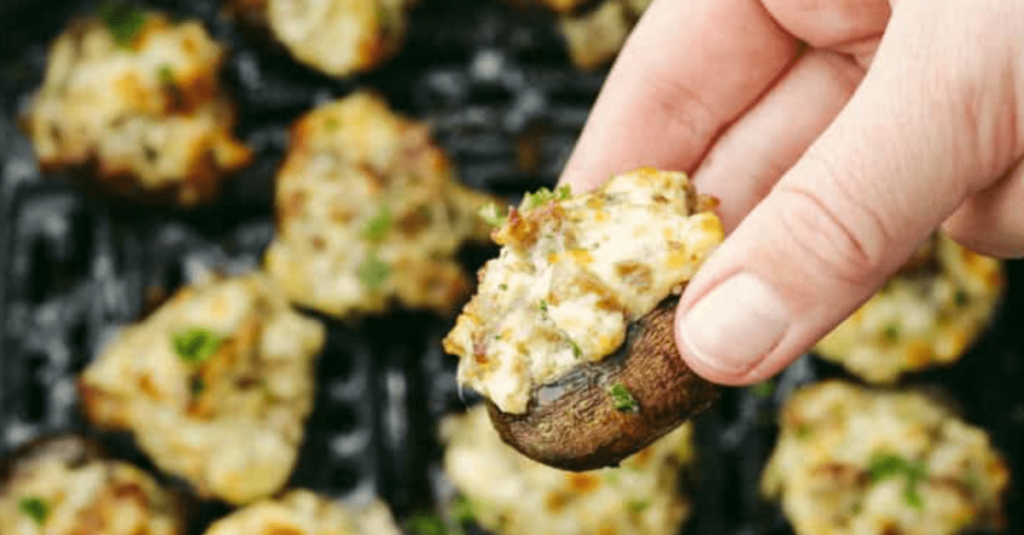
<point>231,425</point>
<point>302,512</point>
<point>364,186</point>
<point>570,278</point>
<point>594,38</point>
<point>336,37</point>
<point>920,319</point>
<point>831,431</point>
<point>510,494</point>
<point>150,115</point>
<point>98,497</point>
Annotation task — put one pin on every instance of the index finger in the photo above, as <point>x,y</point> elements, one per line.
<point>689,69</point>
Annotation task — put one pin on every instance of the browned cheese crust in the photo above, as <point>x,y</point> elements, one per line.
<point>370,214</point>
<point>143,116</point>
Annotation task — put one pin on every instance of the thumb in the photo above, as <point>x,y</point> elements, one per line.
<point>923,131</point>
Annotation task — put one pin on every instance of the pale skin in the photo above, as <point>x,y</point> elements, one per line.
<point>838,134</point>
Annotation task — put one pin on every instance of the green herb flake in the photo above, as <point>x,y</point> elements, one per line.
<point>884,466</point>
<point>803,430</point>
<point>543,305</point>
<point>544,196</point>
<point>622,398</point>
<point>34,508</point>
<point>196,345</point>
<point>196,385</point>
<point>463,510</point>
<point>637,506</point>
<point>426,524</point>
<point>331,123</point>
<point>891,333</point>
<point>763,389</point>
<point>166,75</point>
<point>576,351</point>
<point>124,20</point>
<point>378,226</point>
<point>492,215</point>
<point>913,497</point>
<point>503,287</point>
<point>960,298</point>
<point>373,272</point>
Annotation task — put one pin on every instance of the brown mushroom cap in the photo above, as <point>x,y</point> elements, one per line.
<point>574,424</point>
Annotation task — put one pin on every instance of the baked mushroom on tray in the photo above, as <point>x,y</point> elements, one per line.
<point>593,31</point>
<point>925,316</point>
<point>855,460</point>
<point>132,104</point>
<point>303,512</point>
<point>508,494</point>
<point>61,485</point>
<point>336,37</point>
<point>594,38</point>
<point>369,214</point>
<point>215,386</point>
<point>569,337</point>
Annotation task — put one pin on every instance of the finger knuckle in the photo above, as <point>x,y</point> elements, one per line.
<point>680,102</point>
<point>841,237</point>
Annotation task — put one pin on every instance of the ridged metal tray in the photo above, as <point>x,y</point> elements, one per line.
<point>497,88</point>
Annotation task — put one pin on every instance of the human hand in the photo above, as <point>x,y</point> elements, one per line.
<point>833,163</point>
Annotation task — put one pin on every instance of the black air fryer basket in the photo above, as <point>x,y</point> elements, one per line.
<point>497,88</point>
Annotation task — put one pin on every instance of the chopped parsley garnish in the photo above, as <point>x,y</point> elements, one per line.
<point>492,215</point>
<point>960,298</point>
<point>885,465</point>
<point>373,272</point>
<point>891,332</point>
<point>763,389</point>
<point>196,345</point>
<point>196,385</point>
<point>124,20</point>
<point>331,123</point>
<point>503,287</point>
<point>462,510</point>
<point>637,506</point>
<point>544,196</point>
<point>622,398</point>
<point>543,305</point>
<point>576,351</point>
<point>377,227</point>
<point>803,430</point>
<point>34,508</point>
<point>166,75</point>
<point>426,524</point>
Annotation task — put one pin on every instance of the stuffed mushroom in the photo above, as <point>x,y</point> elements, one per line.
<point>62,486</point>
<point>303,512</point>
<point>370,214</point>
<point>854,460</point>
<point>572,321</point>
<point>215,386</point>
<point>509,494</point>
<point>132,102</point>
<point>927,315</point>
<point>336,37</point>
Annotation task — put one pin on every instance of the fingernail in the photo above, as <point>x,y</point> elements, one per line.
<point>735,325</point>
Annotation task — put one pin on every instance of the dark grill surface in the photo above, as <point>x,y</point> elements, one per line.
<point>496,86</point>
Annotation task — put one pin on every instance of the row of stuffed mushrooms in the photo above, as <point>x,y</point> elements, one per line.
<point>216,385</point>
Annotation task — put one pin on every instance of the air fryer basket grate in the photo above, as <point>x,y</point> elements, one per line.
<point>496,86</point>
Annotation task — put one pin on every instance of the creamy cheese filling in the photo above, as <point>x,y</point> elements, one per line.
<point>509,494</point>
<point>853,460</point>
<point>922,317</point>
<point>572,274</point>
